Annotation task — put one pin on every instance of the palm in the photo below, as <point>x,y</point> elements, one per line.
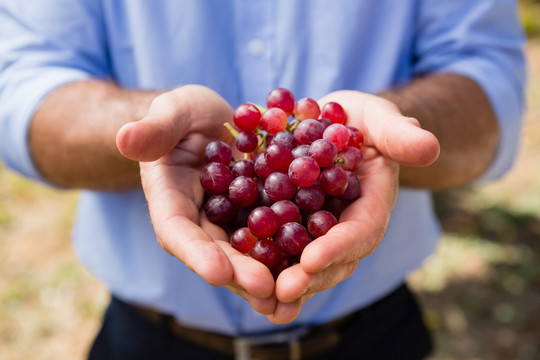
<point>172,144</point>
<point>175,199</point>
<point>391,139</point>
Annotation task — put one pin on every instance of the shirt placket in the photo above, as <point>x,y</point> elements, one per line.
<point>255,35</point>
<point>254,52</point>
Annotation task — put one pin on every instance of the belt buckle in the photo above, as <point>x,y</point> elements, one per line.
<point>243,345</point>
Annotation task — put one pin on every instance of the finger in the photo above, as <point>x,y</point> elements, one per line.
<point>294,282</point>
<point>195,248</point>
<point>344,243</point>
<point>175,218</point>
<point>403,140</point>
<point>398,137</point>
<point>185,110</point>
<point>362,224</point>
<point>265,306</point>
<point>158,132</point>
<point>287,312</point>
<point>249,274</point>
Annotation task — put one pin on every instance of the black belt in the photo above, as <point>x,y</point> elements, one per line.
<point>293,344</point>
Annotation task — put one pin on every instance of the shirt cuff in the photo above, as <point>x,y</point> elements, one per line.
<point>26,95</point>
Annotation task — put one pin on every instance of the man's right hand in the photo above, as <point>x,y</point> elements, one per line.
<point>169,142</point>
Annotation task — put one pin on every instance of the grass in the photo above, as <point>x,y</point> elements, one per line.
<point>49,304</point>
<point>530,16</point>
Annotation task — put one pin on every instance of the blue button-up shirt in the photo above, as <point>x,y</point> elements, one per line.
<point>242,49</point>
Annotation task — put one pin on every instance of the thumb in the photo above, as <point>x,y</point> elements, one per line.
<point>399,138</point>
<point>157,133</point>
<point>404,141</point>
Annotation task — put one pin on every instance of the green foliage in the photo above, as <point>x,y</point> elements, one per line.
<point>530,17</point>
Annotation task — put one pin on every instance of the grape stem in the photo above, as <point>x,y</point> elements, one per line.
<point>294,125</point>
<point>262,143</point>
<point>231,129</point>
<point>261,109</point>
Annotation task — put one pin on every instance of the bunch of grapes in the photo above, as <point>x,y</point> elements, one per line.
<point>297,172</point>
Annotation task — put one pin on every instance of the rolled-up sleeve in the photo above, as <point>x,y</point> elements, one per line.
<point>484,40</point>
<point>41,49</point>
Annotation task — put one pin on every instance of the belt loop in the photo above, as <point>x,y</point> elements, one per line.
<point>295,350</point>
<point>242,350</point>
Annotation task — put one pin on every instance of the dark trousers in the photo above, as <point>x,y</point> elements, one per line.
<point>391,328</point>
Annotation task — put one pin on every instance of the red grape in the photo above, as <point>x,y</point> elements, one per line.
<point>292,238</point>
<point>247,117</point>
<point>278,157</point>
<point>324,152</point>
<point>274,120</point>
<point>320,222</point>
<point>281,98</point>
<point>308,131</point>
<point>215,178</point>
<point>333,181</point>
<point>262,169</point>
<point>219,209</point>
<point>306,108</point>
<point>264,200</point>
<point>284,138</point>
<point>263,222</point>
<point>326,122</point>
<point>350,158</point>
<point>267,252</point>
<point>300,150</point>
<point>352,192</point>
<point>286,211</point>
<point>304,171</point>
<point>243,240</point>
<point>334,112</point>
<point>310,198</point>
<point>243,167</point>
<point>356,138</point>
<point>218,151</point>
<point>243,191</point>
<point>335,205</point>
<point>246,141</point>
<point>278,186</point>
<point>338,134</point>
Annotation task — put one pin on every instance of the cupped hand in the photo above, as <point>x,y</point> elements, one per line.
<point>390,140</point>
<point>169,143</point>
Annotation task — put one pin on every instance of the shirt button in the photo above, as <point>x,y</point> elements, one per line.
<point>256,47</point>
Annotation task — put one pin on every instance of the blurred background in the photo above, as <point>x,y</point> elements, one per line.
<point>480,291</point>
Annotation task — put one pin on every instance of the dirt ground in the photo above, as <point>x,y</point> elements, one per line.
<point>480,291</point>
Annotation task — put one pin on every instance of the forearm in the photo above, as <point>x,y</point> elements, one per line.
<point>72,135</point>
<point>456,110</point>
